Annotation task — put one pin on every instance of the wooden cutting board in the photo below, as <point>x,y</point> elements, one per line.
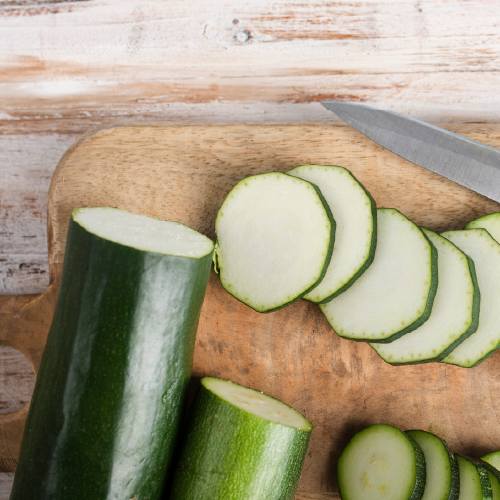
<point>183,173</point>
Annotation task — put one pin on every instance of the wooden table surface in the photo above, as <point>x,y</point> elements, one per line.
<point>69,66</point>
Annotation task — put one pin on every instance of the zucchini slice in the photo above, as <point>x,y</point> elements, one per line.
<point>489,222</point>
<point>495,484</point>
<point>493,459</point>
<point>492,463</point>
<point>275,236</point>
<point>355,213</point>
<point>109,397</point>
<point>485,251</point>
<point>395,294</point>
<point>381,463</point>
<point>474,481</point>
<point>240,444</point>
<point>442,481</point>
<point>455,312</point>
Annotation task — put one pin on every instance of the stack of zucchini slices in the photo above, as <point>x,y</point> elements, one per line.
<point>315,233</point>
<point>381,462</point>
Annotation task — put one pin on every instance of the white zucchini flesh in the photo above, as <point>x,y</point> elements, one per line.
<point>493,459</point>
<point>143,233</point>
<point>355,214</point>
<point>442,480</point>
<point>489,222</point>
<point>454,315</point>
<point>257,403</point>
<point>485,251</point>
<point>495,485</point>
<point>275,237</point>
<point>381,463</point>
<point>470,482</point>
<point>395,294</point>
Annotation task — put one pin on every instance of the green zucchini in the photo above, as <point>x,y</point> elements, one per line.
<point>381,463</point>
<point>495,484</point>
<point>108,402</point>
<point>239,444</point>
<point>493,459</point>
<point>396,293</point>
<point>489,461</point>
<point>455,312</point>
<point>275,236</point>
<point>489,222</point>
<point>485,251</point>
<point>355,213</point>
<point>474,481</point>
<point>442,481</point>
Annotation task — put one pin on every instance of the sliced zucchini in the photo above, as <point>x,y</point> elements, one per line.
<point>492,459</point>
<point>485,251</point>
<point>495,485</point>
<point>275,236</point>
<point>381,462</point>
<point>489,222</point>
<point>455,312</point>
<point>474,481</point>
<point>108,404</point>
<point>355,213</point>
<point>442,480</point>
<point>489,462</point>
<point>240,444</point>
<point>395,294</point>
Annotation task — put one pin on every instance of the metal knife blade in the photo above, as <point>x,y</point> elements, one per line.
<point>462,160</point>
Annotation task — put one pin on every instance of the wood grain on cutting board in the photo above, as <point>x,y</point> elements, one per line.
<point>183,173</point>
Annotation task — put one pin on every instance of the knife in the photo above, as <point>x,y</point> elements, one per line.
<point>462,160</point>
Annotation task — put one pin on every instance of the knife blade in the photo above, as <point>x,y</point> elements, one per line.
<point>462,160</point>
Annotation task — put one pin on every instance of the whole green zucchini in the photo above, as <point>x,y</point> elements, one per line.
<point>109,397</point>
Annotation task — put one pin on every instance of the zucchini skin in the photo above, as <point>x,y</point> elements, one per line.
<point>109,397</point>
<point>229,454</point>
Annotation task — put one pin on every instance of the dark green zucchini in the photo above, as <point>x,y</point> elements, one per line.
<point>109,397</point>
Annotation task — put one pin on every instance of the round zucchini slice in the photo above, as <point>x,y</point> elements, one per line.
<point>275,236</point>
<point>489,222</point>
<point>355,214</point>
<point>493,459</point>
<point>240,444</point>
<point>474,481</point>
<point>442,481</point>
<point>485,251</point>
<point>455,312</point>
<point>381,463</point>
<point>395,294</point>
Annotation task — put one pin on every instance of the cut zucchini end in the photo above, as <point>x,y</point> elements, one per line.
<point>143,233</point>
<point>257,403</point>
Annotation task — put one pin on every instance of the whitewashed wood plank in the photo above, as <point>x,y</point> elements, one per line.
<point>6,480</point>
